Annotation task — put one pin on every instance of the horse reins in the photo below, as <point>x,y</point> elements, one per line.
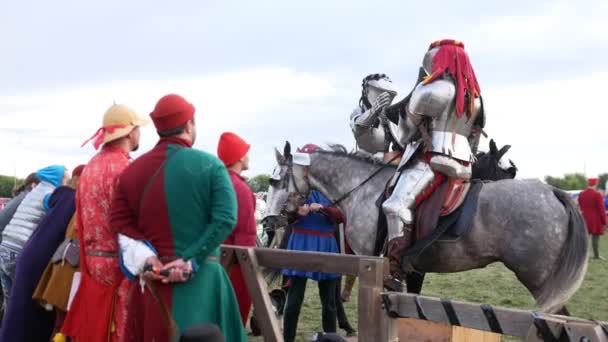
<point>370,177</point>
<point>289,176</point>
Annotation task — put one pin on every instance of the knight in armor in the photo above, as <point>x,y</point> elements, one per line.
<point>446,110</point>
<point>373,132</point>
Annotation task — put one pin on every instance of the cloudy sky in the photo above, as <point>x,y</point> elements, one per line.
<point>283,70</point>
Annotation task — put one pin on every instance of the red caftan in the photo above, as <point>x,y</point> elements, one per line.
<point>593,207</point>
<point>99,310</point>
<point>243,234</point>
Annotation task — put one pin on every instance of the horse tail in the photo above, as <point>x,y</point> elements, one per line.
<point>571,266</point>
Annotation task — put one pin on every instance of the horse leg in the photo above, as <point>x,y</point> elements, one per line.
<point>414,281</point>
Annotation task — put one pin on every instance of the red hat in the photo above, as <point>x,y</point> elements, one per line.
<point>308,148</point>
<point>231,148</point>
<point>77,170</point>
<point>171,111</point>
<point>592,181</point>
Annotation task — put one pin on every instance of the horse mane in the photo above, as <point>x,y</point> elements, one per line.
<point>341,151</point>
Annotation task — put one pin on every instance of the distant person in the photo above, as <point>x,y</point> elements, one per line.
<point>593,207</point>
<point>19,193</point>
<point>27,217</point>
<point>24,319</point>
<point>312,231</point>
<point>233,151</point>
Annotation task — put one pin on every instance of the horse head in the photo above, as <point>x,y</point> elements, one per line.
<point>289,185</point>
<point>492,165</point>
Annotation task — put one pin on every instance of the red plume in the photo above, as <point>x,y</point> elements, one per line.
<point>452,58</point>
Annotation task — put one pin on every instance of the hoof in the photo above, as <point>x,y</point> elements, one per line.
<point>393,285</point>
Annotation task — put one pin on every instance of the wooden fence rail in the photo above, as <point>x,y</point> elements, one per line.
<point>381,313</point>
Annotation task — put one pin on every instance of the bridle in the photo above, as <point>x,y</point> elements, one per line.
<point>289,177</point>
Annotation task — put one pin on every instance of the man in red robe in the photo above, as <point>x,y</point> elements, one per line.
<point>233,152</point>
<point>99,310</point>
<point>173,207</point>
<point>593,207</point>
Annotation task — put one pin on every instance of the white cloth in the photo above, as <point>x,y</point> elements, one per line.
<point>134,254</point>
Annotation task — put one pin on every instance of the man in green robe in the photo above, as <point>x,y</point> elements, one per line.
<point>173,208</point>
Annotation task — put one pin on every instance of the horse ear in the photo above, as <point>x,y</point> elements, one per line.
<point>287,150</point>
<point>493,149</point>
<point>502,151</point>
<point>279,157</point>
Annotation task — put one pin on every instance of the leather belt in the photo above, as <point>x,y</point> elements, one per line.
<point>92,252</point>
<point>312,232</point>
<point>169,258</point>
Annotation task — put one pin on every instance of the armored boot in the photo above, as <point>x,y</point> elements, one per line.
<point>399,212</point>
<point>396,248</point>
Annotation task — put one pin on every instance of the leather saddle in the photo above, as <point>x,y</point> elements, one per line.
<point>442,198</point>
<point>444,208</point>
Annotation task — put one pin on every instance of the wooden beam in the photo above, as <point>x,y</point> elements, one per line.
<point>256,285</point>
<point>227,259</point>
<point>513,322</point>
<point>374,323</point>
<point>306,261</point>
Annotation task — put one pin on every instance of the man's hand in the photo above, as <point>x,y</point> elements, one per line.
<point>156,267</point>
<point>315,207</point>
<point>179,271</point>
<point>304,210</point>
<point>381,101</point>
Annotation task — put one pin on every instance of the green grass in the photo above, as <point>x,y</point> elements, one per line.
<point>494,285</point>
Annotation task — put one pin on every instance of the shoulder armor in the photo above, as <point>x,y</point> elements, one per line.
<point>432,99</point>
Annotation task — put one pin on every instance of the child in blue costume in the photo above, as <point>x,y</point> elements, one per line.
<point>312,231</point>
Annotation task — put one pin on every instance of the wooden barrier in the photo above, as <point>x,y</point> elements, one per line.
<point>391,316</point>
<point>528,325</point>
<point>374,324</point>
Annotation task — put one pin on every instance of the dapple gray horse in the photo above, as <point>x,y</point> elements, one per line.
<point>534,229</point>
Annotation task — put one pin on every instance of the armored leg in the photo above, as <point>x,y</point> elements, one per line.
<point>399,211</point>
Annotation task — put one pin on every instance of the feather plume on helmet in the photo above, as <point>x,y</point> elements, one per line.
<point>449,56</point>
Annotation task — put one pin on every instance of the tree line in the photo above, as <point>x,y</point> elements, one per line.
<point>7,184</point>
<point>574,181</point>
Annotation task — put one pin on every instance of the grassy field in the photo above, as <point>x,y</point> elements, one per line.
<point>494,284</point>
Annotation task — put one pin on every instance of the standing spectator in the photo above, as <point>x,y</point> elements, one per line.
<point>313,230</point>
<point>19,194</point>
<point>53,289</point>
<point>233,152</point>
<point>593,207</point>
<point>99,308</point>
<point>25,220</point>
<point>175,205</point>
<point>24,319</point>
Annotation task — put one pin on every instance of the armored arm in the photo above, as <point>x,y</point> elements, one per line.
<point>365,119</point>
<point>432,99</point>
<point>367,131</point>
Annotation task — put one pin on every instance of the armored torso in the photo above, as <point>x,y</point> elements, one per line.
<point>450,133</point>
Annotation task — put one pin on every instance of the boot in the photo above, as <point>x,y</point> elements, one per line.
<point>395,250</point>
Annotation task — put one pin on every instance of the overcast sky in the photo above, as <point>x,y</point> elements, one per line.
<point>284,70</point>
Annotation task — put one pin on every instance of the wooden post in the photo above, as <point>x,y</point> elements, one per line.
<point>374,323</point>
<point>256,285</point>
<point>227,258</point>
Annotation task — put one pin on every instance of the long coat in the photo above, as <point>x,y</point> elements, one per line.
<point>594,211</point>
<point>25,319</point>
<point>55,284</point>
<point>185,210</point>
<point>243,234</point>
